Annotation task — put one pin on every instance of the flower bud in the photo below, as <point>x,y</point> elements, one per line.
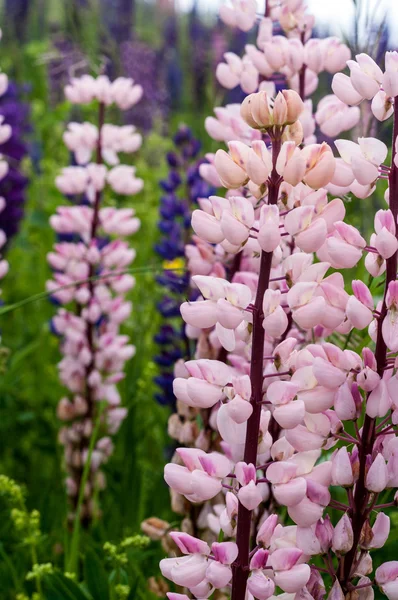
<point>293,133</point>
<point>324,533</point>
<point>343,535</point>
<point>255,110</point>
<point>344,403</point>
<point>279,112</point>
<point>336,593</point>
<point>377,477</point>
<point>379,401</point>
<point>342,469</point>
<point>266,531</point>
<point>295,106</point>
<point>259,163</point>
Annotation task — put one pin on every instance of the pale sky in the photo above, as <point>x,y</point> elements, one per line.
<point>337,13</point>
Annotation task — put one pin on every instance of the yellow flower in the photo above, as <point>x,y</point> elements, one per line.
<point>177,265</point>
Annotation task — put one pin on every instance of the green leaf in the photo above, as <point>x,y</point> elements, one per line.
<point>124,578</point>
<point>50,591</point>
<point>58,587</point>
<point>96,576</point>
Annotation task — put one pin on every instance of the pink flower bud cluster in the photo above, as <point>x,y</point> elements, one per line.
<point>297,56</point>
<point>89,265</point>
<point>82,140</point>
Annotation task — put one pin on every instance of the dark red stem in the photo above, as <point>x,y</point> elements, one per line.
<point>241,565</point>
<point>93,234</point>
<point>302,74</point>
<point>83,443</point>
<point>360,510</point>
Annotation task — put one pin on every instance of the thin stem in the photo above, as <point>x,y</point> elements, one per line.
<point>346,438</point>
<point>338,505</point>
<point>361,586</point>
<point>276,374</point>
<point>389,429</point>
<point>330,564</point>
<point>35,562</point>
<point>241,565</point>
<point>350,497</point>
<point>283,278</point>
<point>264,466</point>
<point>387,505</point>
<point>72,565</point>
<point>302,74</point>
<point>90,327</point>
<point>383,422</point>
<point>320,569</point>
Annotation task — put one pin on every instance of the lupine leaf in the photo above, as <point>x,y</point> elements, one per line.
<point>96,577</point>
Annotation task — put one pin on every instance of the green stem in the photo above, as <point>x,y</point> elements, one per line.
<point>36,562</point>
<point>11,568</point>
<point>72,563</point>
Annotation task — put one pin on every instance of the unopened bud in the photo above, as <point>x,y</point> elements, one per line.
<point>255,110</point>
<point>343,536</point>
<point>279,112</point>
<point>293,133</point>
<point>324,533</point>
<point>366,536</point>
<point>154,528</point>
<point>295,105</point>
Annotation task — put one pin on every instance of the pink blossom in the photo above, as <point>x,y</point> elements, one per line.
<point>242,14</point>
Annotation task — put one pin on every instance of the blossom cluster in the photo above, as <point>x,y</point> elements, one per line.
<point>6,133</point>
<point>293,413</point>
<point>180,192</point>
<point>296,55</point>
<point>90,282</point>
<point>15,113</point>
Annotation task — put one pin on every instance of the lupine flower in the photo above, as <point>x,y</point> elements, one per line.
<point>274,374</point>
<point>174,225</point>
<point>9,145</point>
<point>94,351</point>
<point>15,114</point>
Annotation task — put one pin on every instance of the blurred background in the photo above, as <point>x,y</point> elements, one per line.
<point>169,46</point>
